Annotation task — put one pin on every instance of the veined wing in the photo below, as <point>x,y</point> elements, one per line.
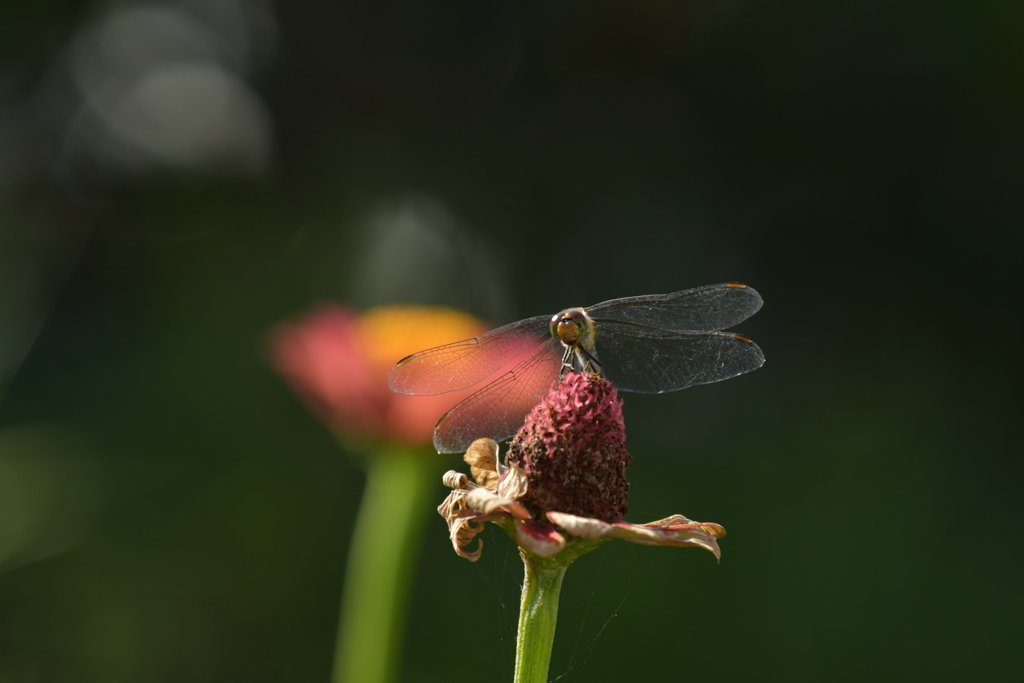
<point>462,364</point>
<point>651,362</point>
<point>498,410</point>
<point>702,309</point>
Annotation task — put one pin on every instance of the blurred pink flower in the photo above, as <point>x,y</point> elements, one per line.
<point>338,362</point>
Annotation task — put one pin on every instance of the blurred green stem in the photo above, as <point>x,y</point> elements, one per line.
<point>538,612</point>
<point>380,564</point>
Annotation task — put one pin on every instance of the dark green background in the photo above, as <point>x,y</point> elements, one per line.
<point>177,515</point>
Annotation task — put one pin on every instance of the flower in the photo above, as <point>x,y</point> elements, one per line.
<point>564,482</point>
<point>572,448</point>
<point>338,362</point>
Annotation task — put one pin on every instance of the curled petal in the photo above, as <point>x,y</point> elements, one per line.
<point>462,527</point>
<point>488,502</point>
<point>482,457</point>
<point>462,533</point>
<point>513,483</point>
<point>469,506</point>
<point>455,480</point>
<point>539,539</point>
<point>451,506</point>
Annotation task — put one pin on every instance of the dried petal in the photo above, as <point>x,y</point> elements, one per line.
<point>462,534</point>
<point>513,483</point>
<point>462,527</point>
<point>680,522</point>
<point>539,539</point>
<point>487,502</point>
<point>585,527</point>
<point>482,458</point>
<point>687,535</point>
<point>675,531</point>
<point>455,480</point>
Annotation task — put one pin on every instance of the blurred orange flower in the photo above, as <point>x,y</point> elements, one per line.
<point>338,361</point>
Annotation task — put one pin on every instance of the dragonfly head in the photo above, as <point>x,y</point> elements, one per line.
<point>570,326</point>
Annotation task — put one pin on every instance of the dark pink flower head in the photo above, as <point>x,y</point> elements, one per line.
<point>572,449</point>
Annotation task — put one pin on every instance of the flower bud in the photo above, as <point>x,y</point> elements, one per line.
<point>572,449</point>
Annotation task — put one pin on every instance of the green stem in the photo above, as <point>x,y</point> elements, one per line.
<point>538,612</point>
<point>380,563</point>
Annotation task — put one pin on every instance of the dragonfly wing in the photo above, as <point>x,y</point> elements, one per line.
<point>462,364</point>
<point>498,410</point>
<point>652,362</point>
<point>702,309</point>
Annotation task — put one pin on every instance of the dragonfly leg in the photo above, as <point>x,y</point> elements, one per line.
<point>590,362</point>
<point>567,362</point>
<point>578,359</point>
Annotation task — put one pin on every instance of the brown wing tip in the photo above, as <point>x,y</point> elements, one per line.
<point>741,337</point>
<point>404,360</point>
<point>444,418</point>
<point>736,285</point>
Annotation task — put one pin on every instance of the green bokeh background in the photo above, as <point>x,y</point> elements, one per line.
<point>169,511</point>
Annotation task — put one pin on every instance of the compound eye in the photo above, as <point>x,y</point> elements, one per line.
<point>568,326</point>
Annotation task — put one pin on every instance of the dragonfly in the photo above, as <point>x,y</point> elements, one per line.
<point>644,344</point>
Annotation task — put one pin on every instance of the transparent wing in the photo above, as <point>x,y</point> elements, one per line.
<point>702,309</point>
<point>652,362</point>
<point>456,366</point>
<point>498,410</point>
